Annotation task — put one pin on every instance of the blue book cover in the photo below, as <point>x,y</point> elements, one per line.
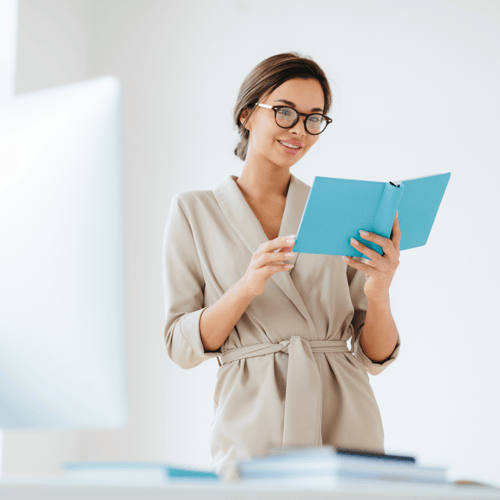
<point>336,209</point>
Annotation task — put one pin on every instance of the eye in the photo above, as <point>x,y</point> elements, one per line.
<point>316,118</point>
<point>286,112</point>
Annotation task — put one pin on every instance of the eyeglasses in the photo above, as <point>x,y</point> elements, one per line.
<point>286,117</point>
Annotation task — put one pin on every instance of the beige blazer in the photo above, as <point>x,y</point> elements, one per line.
<point>286,374</point>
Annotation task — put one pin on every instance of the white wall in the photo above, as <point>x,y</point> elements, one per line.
<point>8,37</point>
<point>53,43</point>
<point>415,93</point>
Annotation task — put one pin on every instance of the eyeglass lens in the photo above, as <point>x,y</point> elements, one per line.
<point>286,116</point>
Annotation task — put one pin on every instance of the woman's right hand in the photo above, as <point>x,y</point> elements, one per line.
<point>266,261</point>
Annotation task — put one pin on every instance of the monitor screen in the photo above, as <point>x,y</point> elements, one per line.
<point>63,332</point>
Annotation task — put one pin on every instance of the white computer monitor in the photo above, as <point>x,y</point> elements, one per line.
<point>63,331</point>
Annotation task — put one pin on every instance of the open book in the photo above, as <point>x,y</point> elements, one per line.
<point>337,209</point>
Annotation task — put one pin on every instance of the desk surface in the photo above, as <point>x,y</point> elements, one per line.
<point>59,488</point>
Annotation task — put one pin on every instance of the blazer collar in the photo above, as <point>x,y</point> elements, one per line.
<point>248,228</point>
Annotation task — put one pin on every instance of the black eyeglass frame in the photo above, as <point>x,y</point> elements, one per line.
<point>277,108</point>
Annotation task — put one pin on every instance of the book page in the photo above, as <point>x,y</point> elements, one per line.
<point>397,183</point>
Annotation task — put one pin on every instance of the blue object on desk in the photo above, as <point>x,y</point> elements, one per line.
<point>337,209</point>
<point>134,470</point>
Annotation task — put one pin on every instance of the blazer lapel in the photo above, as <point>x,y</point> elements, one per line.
<point>248,228</point>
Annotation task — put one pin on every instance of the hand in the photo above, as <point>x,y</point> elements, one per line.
<point>266,261</point>
<point>380,269</point>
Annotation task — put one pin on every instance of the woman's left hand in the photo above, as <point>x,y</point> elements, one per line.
<point>380,269</point>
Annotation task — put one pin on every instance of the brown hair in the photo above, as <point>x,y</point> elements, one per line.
<point>268,76</point>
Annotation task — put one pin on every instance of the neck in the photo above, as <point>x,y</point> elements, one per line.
<point>264,182</point>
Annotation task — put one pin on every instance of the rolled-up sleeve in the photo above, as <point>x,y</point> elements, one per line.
<point>183,287</point>
<point>357,280</point>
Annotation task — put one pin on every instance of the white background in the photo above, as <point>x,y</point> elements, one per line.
<point>415,90</point>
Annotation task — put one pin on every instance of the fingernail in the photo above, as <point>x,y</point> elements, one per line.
<point>363,233</point>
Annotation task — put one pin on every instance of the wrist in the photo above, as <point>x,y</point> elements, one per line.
<point>244,291</point>
<point>381,302</point>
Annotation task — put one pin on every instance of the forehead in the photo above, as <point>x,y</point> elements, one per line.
<point>306,94</point>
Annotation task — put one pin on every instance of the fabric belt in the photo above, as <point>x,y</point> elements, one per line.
<point>304,397</point>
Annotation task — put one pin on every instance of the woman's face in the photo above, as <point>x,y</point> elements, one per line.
<point>265,133</point>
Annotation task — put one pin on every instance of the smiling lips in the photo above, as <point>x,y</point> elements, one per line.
<point>289,148</point>
<point>292,142</point>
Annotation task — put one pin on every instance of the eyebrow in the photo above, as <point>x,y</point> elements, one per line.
<point>290,103</point>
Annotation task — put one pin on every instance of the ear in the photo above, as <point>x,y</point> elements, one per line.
<point>243,116</point>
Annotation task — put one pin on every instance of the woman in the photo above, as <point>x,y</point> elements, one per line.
<point>286,375</point>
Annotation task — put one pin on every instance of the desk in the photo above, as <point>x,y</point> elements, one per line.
<point>59,488</point>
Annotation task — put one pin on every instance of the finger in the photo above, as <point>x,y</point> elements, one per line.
<point>386,244</point>
<point>284,249</point>
<point>358,265</point>
<point>276,269</point>
<point>282,242</point>
<point>277,256</point>
<point>396,233</point>
<point>371,254</point>
<point>350,261</point>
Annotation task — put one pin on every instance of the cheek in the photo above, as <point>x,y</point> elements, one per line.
<point>272,134</point>
<point>267,136</point>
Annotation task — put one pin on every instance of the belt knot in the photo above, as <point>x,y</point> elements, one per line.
<point>303,401</point>
<point>285,344</point>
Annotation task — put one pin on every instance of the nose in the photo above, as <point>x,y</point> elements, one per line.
<point>300,126</point>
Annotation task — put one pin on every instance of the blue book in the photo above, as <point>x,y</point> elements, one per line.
<point>150,472</point>
<point>336,209</point>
